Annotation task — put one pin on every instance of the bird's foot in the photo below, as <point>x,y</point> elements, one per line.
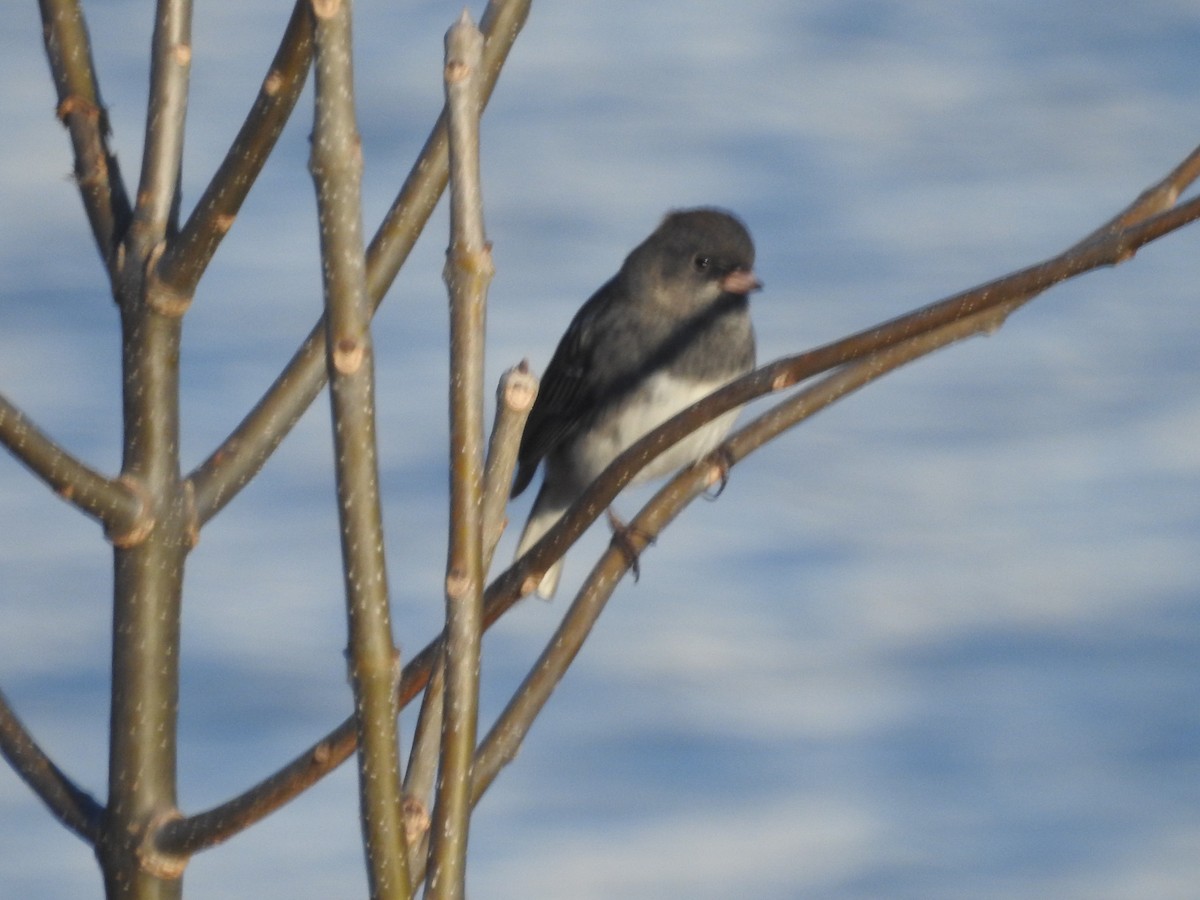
<point>721,460</point>
<point>626,538</point>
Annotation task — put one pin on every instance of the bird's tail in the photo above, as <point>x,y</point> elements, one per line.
<point>542,517</point>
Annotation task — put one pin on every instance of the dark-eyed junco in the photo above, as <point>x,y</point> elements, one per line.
<point>671,327</point>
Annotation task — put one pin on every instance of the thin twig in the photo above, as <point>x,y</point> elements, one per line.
<point>422,760</point>
<point>205,829</point>
<point>189,254</point>
<point>112,502</point>
<point>336,165</point>
<point>70,804</point>
<point>230,467</point>
<point>514,399</point>
<point>81,110</point>
<point>162,154</point>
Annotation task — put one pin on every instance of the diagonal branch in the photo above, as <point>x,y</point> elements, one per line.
<point>81,110</point>
<point>992,301</point>
<point>1105,247</point>
<point>70,804</point>
<point>231,466</point>
<point>113,502</point>
<point>189,254</point>
<point>336,165</point>
<point>499,747</point>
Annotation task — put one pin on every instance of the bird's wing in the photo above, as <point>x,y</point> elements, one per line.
<point>567,391</point>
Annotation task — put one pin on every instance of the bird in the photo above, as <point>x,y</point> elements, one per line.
<point>672,326</point>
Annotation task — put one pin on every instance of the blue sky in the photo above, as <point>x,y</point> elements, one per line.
<point>938,642</point>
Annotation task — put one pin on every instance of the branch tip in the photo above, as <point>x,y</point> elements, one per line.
<point>520,391</point>
<point>326,9</point>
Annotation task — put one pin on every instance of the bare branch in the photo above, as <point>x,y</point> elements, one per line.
<point>71,805</point>
<point>336,165</point>
<point>81,110</point>
<point>422,764</point>
<point>111,501</point>
<point>220,477</point>
<point>467,274</point>
<point>992,301</point>
<point>162,155</point>
<point>514,399</point>
<point>499,747</point>
<point>188,255</point>
<point>1006,293</point>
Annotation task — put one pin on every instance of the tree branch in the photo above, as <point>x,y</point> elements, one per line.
<point>1104,247</point>
<point>467,274</point>
<point>162,155</point>
<point>993,301</point>
<point>83,113</point>
<point>231,466</point>
<point>499,747</point>
<point>336,164</point>
<point>112,502</point>
<point>189,254</point>
<point>514,399</point>
<point>72,806</point>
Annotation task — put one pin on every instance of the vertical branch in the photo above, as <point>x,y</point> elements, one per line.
<point>336,165</point>
<point>514,399</point>
<point>147,595</point>
<point>162,155</point>
<point>467,273</point>
<point>148,568</point>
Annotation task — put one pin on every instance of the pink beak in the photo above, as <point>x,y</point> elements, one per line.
<point>740,281</point>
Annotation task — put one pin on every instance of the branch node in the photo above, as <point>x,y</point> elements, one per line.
<point>322,753</point>
<point>73,103</point>
<point>416,818</point>
<point>164,300</point>
<point>153,860</point>
<point>182,54</point>
<point>191,521</point>
<point>142,525</point>
<point>272,83</point>
<point>783,380</point>
<point>348,355</point>
<point>458,584</point>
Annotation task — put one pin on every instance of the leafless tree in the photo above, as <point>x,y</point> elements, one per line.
<point>414,827</point>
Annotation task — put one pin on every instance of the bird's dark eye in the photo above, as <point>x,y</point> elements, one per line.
<point>702,262</point>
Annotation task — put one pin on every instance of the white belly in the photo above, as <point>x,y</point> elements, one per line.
<point>662,397</point>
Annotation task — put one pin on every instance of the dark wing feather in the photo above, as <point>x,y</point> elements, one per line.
<point>567,391</point>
